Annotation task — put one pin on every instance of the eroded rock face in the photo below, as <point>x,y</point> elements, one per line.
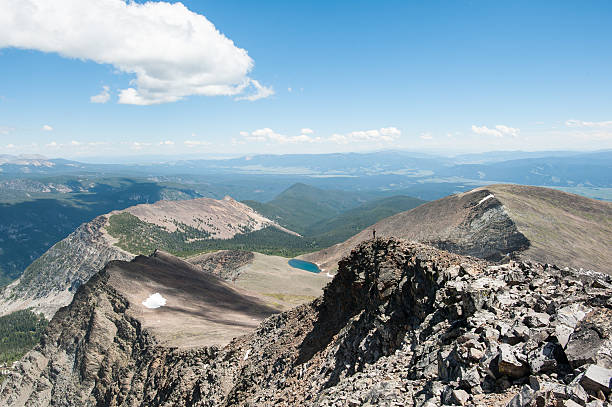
<point>51,280</point>
<point>400,324</point>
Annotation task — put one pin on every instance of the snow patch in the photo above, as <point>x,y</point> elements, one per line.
<point>246,355</point>
<point>154,301</point>
<point>485,198</point>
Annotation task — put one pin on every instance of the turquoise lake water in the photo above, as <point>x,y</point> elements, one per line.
<point>304,265</point>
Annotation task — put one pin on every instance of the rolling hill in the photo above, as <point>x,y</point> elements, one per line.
<point>501,221</point>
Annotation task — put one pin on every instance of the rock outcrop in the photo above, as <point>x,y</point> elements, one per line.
<point>400,324</point>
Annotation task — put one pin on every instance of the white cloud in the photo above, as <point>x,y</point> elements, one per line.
<point>166,143</point>
<point>260,91</point>
<point>5,131</point>
<point>102,97</point>
<point>580,123</point>
<point>385,134</point>
<point>154,301</point>
<point>10,146</point>
<point>75,143</point>
<point>390,131</point>
<point>52,144</point>
<point>194,143</point>
<point>426,136</point>
<point>499,131</point>
<point>172,52</point>
<point>136,145</point>
<point>46,127</point>
<point>269,135</point>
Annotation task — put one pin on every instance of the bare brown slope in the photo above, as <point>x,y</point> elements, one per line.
<point>223,219</point>
<point>493,221</point>
<point>200,309</point>
<point>562,228</point>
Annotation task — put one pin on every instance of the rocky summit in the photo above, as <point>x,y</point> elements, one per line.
<point>401,324</point>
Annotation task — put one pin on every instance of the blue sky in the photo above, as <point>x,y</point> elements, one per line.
<point>326,75</point>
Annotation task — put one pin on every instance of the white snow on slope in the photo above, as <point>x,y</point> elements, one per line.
<point>154,301</point>
<point>485,198</point>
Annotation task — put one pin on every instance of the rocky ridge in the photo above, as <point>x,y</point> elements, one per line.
<point>51,280</point>
<point>400,324</point>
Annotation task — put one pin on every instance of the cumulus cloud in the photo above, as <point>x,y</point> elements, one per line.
<point>136,145</point>
<point>269,135</point>
<point>102,97</point>
<point>260,91</point>
<point>194,143</point>
<point>154,301</point>
<point>46,127</point>
<point>172,52</point>
<point>580,123</point>
<point>385,134</point>
<point>498,131</point>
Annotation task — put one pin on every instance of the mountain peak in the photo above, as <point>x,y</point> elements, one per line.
<point>499,222</point>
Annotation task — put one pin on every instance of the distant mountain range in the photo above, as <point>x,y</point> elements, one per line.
<point>400,169</point>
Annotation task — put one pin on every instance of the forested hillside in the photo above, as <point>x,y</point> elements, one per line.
<point>327,217</point>
<point>19,332</point>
